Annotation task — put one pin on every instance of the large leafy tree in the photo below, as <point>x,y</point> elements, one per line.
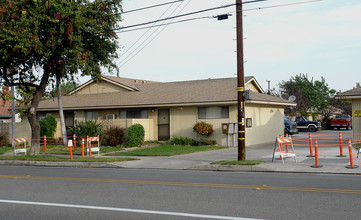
<point>311,95</point>
<point>43,40</point>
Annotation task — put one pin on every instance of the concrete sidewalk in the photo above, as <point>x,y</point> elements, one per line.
<point>202,160</point>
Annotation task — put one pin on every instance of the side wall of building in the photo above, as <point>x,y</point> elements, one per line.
<point>356,121</point>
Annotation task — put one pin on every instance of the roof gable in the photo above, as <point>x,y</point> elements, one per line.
<point>123,83</point>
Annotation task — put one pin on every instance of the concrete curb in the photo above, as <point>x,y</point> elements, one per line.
<point>59,164</point>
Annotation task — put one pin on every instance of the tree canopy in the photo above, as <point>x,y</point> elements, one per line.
<point>311,95</point>
<point>43,40</point>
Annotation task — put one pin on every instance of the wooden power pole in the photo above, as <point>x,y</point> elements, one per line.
<point>240,83</point>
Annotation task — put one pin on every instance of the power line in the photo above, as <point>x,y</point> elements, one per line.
<point>131,55</point>
<point>175,22</point>
<point>153,6</point>
<point>187,14</point>
<point>191,19</point>
<point>146,32</point>
<point>282,5</point>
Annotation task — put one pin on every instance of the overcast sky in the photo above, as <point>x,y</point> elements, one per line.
<point>319,39</point>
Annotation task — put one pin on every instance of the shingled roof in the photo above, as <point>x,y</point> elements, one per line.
<point>4,109</point>
<point>157,94</point>
<point>354,93</point>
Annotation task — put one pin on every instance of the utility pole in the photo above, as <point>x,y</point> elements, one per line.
<point>240,83</point>
<point>13,130</point>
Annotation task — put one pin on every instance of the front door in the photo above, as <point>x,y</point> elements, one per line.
<point>69,122</point>
<point>163,125</point>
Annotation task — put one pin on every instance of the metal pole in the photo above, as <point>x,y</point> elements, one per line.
<point>13,131</point>
<point>240,82</point>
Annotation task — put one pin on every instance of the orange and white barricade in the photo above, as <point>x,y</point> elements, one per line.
<point>93,149</point>
<point>20,150</point>
<point>279,151</point>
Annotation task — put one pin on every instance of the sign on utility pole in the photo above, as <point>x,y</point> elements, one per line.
<point>240,82</point>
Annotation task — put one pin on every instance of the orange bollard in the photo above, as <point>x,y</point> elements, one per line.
<point>44,143</point>
<point>340,141</point>
<point>82,147</point>
<point>351,166</point>
<point>70,150</point>
<point>90,149</point>
<point>317,165</point>
<point>74,137</point>
<point>310,144</point>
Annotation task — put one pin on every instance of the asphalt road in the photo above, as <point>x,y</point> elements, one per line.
<point>80,193</point>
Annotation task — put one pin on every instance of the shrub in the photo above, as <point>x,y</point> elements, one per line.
<point>135,135</point>
<point>113,136</point>
<point>203,128</point>
<point>183,141</point>
<point>88,128</point>
<point>48,126</point>
<point>4,140</point>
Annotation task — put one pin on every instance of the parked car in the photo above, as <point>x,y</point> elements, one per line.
<point>290,126</point>
<point>304,124</point>
<point>342,121</point>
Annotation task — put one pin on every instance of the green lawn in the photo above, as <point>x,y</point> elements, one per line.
<point>3,150</point>
<point>53,158</point>
<point>238,162</point>
<point>166,150</point>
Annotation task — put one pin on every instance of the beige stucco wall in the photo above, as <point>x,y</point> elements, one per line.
<point>103,87</point>
<point>22,129</point>
<point>252,87</point>
<point>356,121</point>
<point>183,120</point>
<point>267,123</point>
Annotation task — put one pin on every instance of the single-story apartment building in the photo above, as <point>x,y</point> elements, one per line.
<point>167,109</point>
<point>354,95</point>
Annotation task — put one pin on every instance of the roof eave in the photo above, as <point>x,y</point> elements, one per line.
<point>346,97</point>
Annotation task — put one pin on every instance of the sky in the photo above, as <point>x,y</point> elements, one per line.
<point>320,39</point>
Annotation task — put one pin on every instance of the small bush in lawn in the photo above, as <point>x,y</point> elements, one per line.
<point>48,126</point>
<point>88,128</point>
<point>113,136</point>
<point>180,141</point>
<point>184,141</point>
<point>136,135</point>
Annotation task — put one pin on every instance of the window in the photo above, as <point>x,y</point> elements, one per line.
<point>91,115</point>
<point>41,116</point>
<point>137,113</point>
<point>213,112</point>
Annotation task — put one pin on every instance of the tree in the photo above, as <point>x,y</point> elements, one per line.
<point>311,96</point>
<point>58,38</point>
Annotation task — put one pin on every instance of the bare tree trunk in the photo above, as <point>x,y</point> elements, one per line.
<point>34,123</point>
<point>61,113</point>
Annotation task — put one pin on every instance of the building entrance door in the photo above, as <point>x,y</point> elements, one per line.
<point>163,125</point>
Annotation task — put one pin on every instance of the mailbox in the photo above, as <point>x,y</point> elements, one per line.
<point>225,127</point>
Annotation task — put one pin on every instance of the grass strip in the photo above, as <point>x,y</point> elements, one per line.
<point>238,162</point>
<point>166,150</point>
<point>4,150</point>
<point>52,158</point>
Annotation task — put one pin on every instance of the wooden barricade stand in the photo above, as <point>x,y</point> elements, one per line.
<point>20,150</point>
<point>93,149</point>
<point>279,152</point>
